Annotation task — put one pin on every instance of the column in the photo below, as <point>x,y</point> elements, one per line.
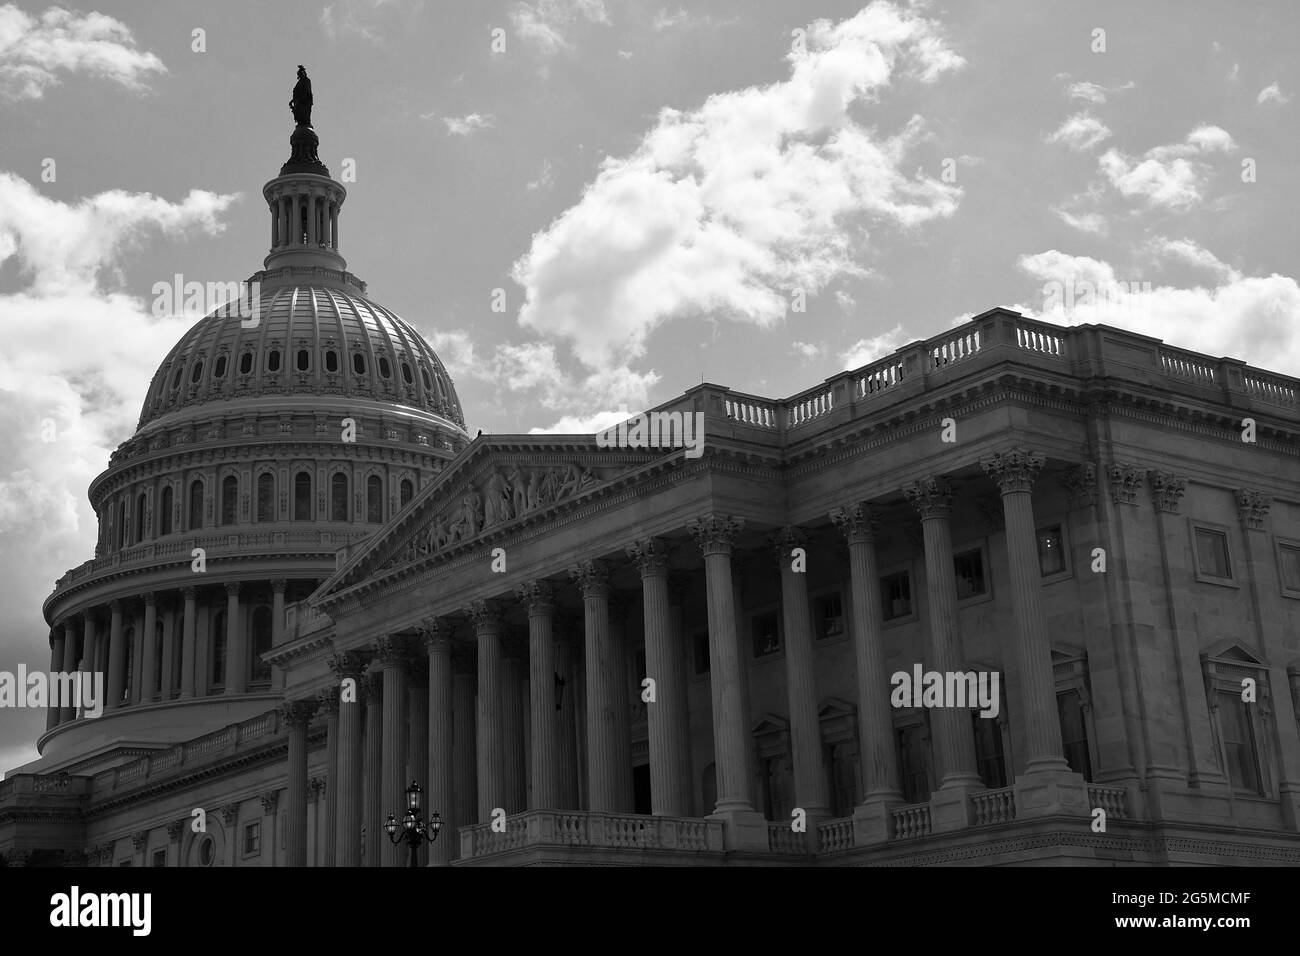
<point>603,792</point>
<point>311,221</point>
<point>391,652</point>
<point>271,842</point>
<point>334,226</point>
<point>68,708</point>
<point>512,724</point>
<point>676,698</point>
<point>187,644</point>
<point>296,715</point>
<point>486,617</point>
<point>137,655</point>
<point>666,715</point>
<point>373,815</point>
<point>168,650</point>
<point>275,221</point>
<point>538,598</point>
<point>236,646</point>
<point>347,669</point>
<point>57,639</point>
<point>618,611</point>
<point>465,789</point>
<point>881,782</point>
<point>149,660</point>
<point>954,741</point>
<point>810,787</point>
<point>277,627</point>
<point>746,829</point>
<point>417,738</point>
<point>440,765</point>
<point>116,656</point>
<point>328,701</point>
<point>566,723</point>
<point>88,646</point>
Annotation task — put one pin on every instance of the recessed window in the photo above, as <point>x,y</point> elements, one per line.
<point>253,838</point>
<point>375,500</point>
<point>406,374</point>
<point>229,499</point>
<point>896,596</point>
<point>969,568</point>
<point>990,761</point>
<point>266,496</point>
<point>408,491</point>
<point>384,370</point>
<point>207,852</point>
<point>176,379</point>
<point>273,360</point>
<point>197,373</point>
<point>219,370</point>
<point>828,616</point>
<point>1074,732</point>
<point>1288,559</point>
<point>245,363</point>
<point>424,377</point>
<point>302,496</point>
<point>1239,748</point>
<point>304,360</point>
<point>339,497</point>
<point>359,363</point>
<point>331,361</point>
<point>1051,550</point>
<point>766,634</point>
<point>159,857</point>
<point>1212,553</point>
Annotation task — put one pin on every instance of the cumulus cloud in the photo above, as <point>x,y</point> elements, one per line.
<point>1190,252</point>
<point>726,209</point>
<point>543,24</point>
<point>681,20</point>
<point>35,50</point>
<point>1089,222</point>
<point>468,124</point>
<point>544,179</point>
<point>1272,94</point>
<point>1254,318</point>
<point>865,351</point>
<point>1093,93</point>
<point>1080,132</point>
<point>1171,176</point>
<point>362,18</point>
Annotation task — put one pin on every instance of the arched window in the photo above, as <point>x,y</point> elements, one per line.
<point>331,361</point>
<point>217,663</point>
<point>219,370</point>
<point>261,643</point>
<point>375,500</point>
<point>196,504</point>
<point>406,374</point>
<point>384,370</point>
<point>359,363</point>
<point>304,360</point>
<point>176,379</point>
<point>266,496</point>
<point>165,511</point>
<point>339,497</point>
<point>273,360</point>
<point>197,372</point>
<point>424,377</point>
<point>245,363</point>
<point>302,496</point>
<point>408,491</point>
<point>229,499</point>
<point>139,517</point>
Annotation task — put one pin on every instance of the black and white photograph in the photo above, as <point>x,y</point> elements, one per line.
<point>690,441</point>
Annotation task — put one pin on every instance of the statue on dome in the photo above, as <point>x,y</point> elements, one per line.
<point>301,102</point>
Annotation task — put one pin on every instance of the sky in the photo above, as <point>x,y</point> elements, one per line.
<point>589,206</point>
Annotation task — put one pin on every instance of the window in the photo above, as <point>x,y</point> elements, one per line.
<point>302,496</point>
<point>165,511</point>
<point>176,379</point>
<point>1238,743</point>
<point>245,363</point>
<point>408,491</point>
<point>140,509</point>
<point>229,499</point>
<point>990,762</point>
<point>218,661</point>
<point>273,360</point>
<point>778,797</point>
<point>1051,550</point>
<point>969,568</point>
<point>339,497</point>
<point>266,496</point>
<point>828,616</point>
<point>207,852</point>
<point>896,595</point>
<point>700,652</point>
<point>331,361</point>
<point>766,632</point>
<point>1212,553</point>
<point>384,369</point>
<point>160,857</point>
<point>406,374</point>
<point>219,370</point>
<point>253,838</point>
<point>913,762</point>
<point>842,770</point>
<point>196,504</point>
<point>359,363</point>
<point>1074,733</point>
<point>197,372</point>
<point>304,360</point>
<point>375,499</point>
<point>261,643</point>
<point>1288,565</point>
<point>424,377</point>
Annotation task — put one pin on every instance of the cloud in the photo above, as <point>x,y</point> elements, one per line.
<point>466,125</point>
<point>361,18</point>
<point>1170,176</point>
<point>583,424</point>
<point>1089,222</point>
<point>1093,93</point>
<point>542,24</point>
<point>1190,252</point>
<point>808,350</point>
<point>726,209</point>
<point>681,20</point>
<point>865,351</point>
<point>544,179</point>
<point>1272,94</point>
<point>1254,318</point>
<point>34,51</point>
<point>1080,132</point>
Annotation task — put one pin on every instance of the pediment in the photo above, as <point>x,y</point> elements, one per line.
<point>1233,651</point>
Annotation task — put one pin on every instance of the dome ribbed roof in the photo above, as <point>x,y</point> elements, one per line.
<point>309,340</point>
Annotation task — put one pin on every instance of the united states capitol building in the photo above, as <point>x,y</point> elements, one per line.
<point>631,655</point>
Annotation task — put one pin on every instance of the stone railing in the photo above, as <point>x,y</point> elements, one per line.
<point>596,830</point>
<point>833,835</point>
<point>750,410</point>
<point>911,821</point>
<point>1114,800</point>
<point>994,806</point>
<point>804,408</point>
<point>781,839</point>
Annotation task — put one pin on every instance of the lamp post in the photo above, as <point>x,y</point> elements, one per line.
<point>414,829</point>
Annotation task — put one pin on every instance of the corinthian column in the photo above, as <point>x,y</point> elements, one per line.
<point>372,814</point>
<point>592,578</point>
<point>150,649</point>
<point>464,663</point>
<point>236,645</point>
<point>486,617</point>
<point>296,715</point>
<point>537,597</point>
<point>347,789</point>
<point>391,652</point>
<point>116,656</point>
<point>329,703</point>
<point>440,760</point>
<point>187,644</point>
<point>68,708</point>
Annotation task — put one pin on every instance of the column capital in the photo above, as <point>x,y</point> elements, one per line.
<point>931,497</point>
<point>592,578</point>
<point>371,686</point>
<point>650,555</point>
<point>230,813</point>
<point>1125,481</point>
<point>1166,490</point>
<point>486,614</point>
<point>715,534</point>
<point>139,838</point>
<point>858,522</point>
<point>115,606</point>
<point>232,588</point>
<point>1252,508</point>
<point>1013,471</point>
<point>315,788</point>
<point>298,712</point>
<point>391,650</point>
<point>189,592</point>
<point>328,701</point>
<point>435,632</point>
<point>270,799</point>
<point>1080,483</point>
<point>784,540</point>
<point>150,598</point>
<point>175,828</point>
<point>347,664</point>
<point>537,596</point>
<point>278,585</point>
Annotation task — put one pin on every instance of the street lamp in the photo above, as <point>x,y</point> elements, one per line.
<point>414,829</point>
